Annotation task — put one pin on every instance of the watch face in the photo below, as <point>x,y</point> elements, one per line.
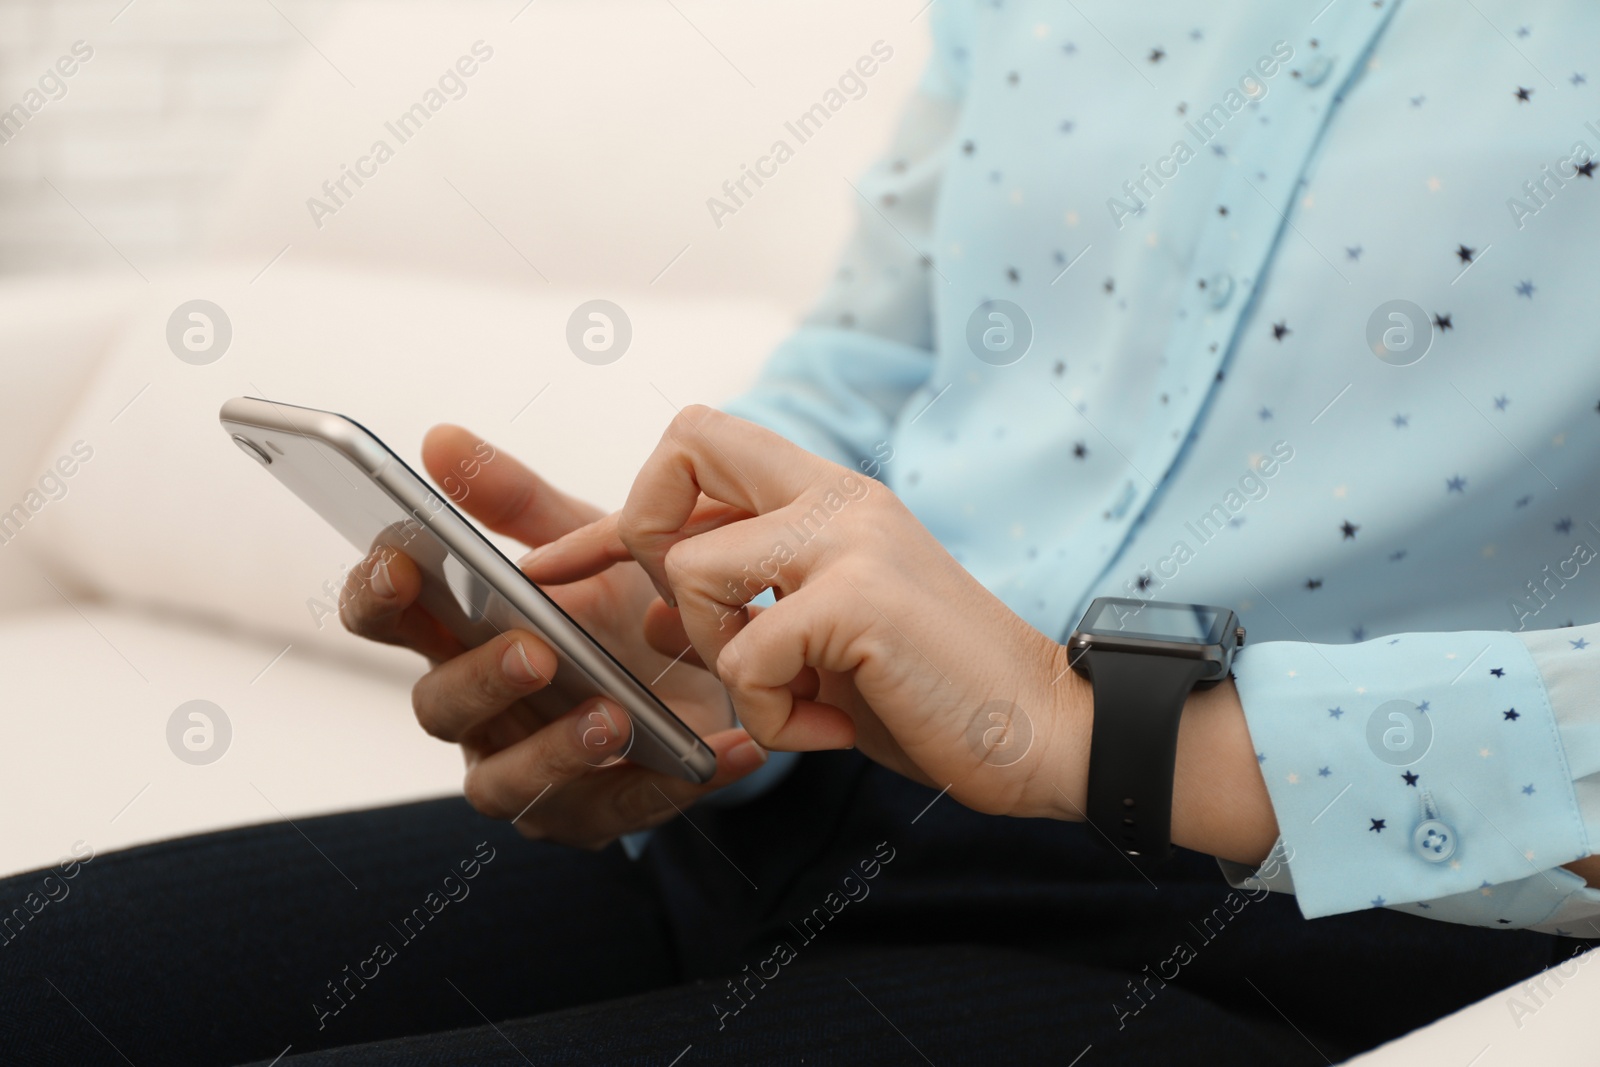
<point>1153,620</point>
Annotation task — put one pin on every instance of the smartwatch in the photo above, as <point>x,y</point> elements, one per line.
<point>1144,657</point>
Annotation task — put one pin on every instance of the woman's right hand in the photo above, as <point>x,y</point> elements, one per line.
<point>557,778</point>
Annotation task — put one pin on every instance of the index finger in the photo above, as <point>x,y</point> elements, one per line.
<point>729,460</point>
<point>591,549</point>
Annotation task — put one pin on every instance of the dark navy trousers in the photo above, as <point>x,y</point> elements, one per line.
<point>849,916</point>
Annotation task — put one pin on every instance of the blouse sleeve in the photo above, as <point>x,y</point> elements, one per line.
<point>837,385</point>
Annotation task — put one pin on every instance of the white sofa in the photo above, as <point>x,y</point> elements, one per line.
<point>576,165</point>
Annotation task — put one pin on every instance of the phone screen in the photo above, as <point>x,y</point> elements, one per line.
<point>369,518</point>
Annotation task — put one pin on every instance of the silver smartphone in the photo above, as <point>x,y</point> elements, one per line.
<point>369,494</point>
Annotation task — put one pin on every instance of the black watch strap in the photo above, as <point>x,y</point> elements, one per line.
<point>1133,750</point>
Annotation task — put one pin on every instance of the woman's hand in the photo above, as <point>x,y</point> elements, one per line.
<point>552,770</point>
<point>879,638</point>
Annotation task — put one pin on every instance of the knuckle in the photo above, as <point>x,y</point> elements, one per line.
<point>425,706</point>
<point>641,541</point>
<point>679,428</point>
<point>859,573</point>
<point>873,489</point>
<point>358,611</point>
<point>628,531</point>
<point>688,421</point>
<point>482,794</point>
<point>867,495</point>
<point>486,687</point>
<point>353,613</point>
<point>760,732</point>
<point>678,563</point>
<point>733,665</point>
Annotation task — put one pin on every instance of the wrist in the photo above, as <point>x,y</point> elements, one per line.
<point>1059,781</point>
<point>1220,804</point>
<point>1219,800</point>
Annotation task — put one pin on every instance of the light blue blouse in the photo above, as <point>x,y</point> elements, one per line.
<point>1288,307</point>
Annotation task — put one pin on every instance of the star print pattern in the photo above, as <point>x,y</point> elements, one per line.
<point>1283,675</point>
<point>1451,500</point>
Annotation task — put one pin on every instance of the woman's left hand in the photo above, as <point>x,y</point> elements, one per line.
<point>879,638</point>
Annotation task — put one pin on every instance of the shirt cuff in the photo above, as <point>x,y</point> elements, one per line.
<point>1423,771</point>
<point>1551,902</point>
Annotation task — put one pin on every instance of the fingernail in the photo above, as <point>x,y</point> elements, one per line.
<point>516,666</point>
<point>533,556</point>
<point>382,583</point>
<point>746,756</point>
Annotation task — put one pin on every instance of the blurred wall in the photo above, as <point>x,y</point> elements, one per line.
<point>134,145</point>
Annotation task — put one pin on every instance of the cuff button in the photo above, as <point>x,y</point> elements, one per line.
<point>1434,841</point>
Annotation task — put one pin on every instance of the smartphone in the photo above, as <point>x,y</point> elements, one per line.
<point>369,494</point>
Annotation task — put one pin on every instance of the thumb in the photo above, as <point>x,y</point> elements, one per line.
<point>497,490</point>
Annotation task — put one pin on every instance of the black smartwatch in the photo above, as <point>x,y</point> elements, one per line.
<point>1144,657</point>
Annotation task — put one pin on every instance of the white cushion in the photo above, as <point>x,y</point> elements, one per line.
<point>55,334</point>
<point>1549,1020</point>
<point>83,748</point>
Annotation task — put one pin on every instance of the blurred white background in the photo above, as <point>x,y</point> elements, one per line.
<point>175,164</point>
<point>176,161</point>
<point>154,130</point>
